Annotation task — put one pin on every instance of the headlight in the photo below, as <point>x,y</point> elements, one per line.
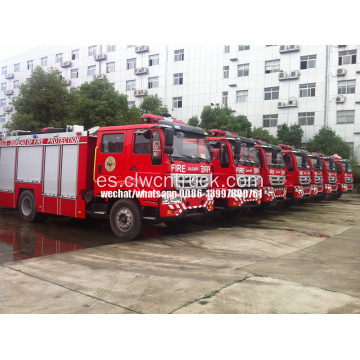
<point>171,200</point>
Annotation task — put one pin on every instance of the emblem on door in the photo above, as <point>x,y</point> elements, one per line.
<point>110,164</point>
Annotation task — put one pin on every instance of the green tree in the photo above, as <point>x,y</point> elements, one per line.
<point>222,117</point>
<point>264,135</point>
<point>291,135</point>
<point>327,142</point>
<point>152,104</point>
<point>194,121</point>
<point>43,101</point>
<point>98,104</point>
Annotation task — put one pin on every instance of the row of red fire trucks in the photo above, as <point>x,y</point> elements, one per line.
<point>159,171</point>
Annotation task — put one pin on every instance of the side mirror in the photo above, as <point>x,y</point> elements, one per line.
<point>169,137</point>
<point>168,150</point>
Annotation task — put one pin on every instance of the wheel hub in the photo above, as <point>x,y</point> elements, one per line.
<point>124,219</point>
<point>26,206</point>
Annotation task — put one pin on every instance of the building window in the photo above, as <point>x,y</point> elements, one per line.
<point>59,58</point>
<point>2,118</point>
<point>153,82</point>
<point>225,97</point>
<point>270,120</point>
<point>307,90</point>
<point>178,79</point>
<point>346,87</point>
<point>244,47</point>
<point>306,118</point>
<point>130,46</point>
<point>110,67</point>
<point>131,64</point>
<point>243,70</point>
<point>111,48</point>
<point>75,54</point>
<point>44,61</point>
<point>30,64</point>
<point>154,60</point>
<point>16,84</point>
<point>4,70</point>
<point>179,55</point>
<point>3,86</point>
<point>17,67</point>
<point>3,102</point>
<point>271,93</point>
<point>351,146</point>
<point>91,70</point>
<point>74,73</point>
<point>345,117</point>
<point>177,102</point>
<point>226,49</point>
<point>242,96</point>
<point>307,62</point>
<point>226,72</point>
<point>92,50</point>
<point>131,104</point>
<point>130,85</point>
<point>347,57</point>
<point>272,66</point>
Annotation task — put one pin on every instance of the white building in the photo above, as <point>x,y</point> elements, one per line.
<point>273,84</point>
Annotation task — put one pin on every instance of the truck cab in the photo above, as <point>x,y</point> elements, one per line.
<point>345,176</point>
<point>237,178</point>
<point>273,172</point>
<point>298,174</point>
<point>317,176</point>
<point>330,175</point>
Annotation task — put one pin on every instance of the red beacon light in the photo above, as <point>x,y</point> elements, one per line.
<point>286,146</point>
<point>154,119</point>
<point>217,132</point>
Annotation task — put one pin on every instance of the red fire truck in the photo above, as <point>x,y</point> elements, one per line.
<point>273,172</point>
<point>128,174</point>
<point>330,176</point>
<point>236,171</point>
<point>317,176</point>
<point>298,174</point>
<point>345,176</point>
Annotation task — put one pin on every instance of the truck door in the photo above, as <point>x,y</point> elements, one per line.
<point>146,159</point>
<point>109,160</point>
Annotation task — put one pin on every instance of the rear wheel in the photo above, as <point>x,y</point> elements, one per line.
<point>125,220</point>
<point>27,208</point>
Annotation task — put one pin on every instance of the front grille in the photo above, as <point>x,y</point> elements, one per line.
<point>305,180</point>
<point>348,180</point>
<point>332,180</point>
<point>191,181</point>
<point>277,180</point>
<point>318,179</point>
<point>248,180</point>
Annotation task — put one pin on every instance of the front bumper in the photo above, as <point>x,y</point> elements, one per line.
<point>330,188</point>
<point>270,194</point>
<point>346,188</point>
<point>317,190</point>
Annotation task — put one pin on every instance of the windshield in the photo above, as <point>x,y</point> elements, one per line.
<point>279,162</point>
<point>300,164</point>
<point>346,166</point>
<point>191,147</point>
<point>330,165</point>
<point>314,162</point>
<point>248,154</point>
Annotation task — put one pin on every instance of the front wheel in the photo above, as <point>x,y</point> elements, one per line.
<point>125,220</point>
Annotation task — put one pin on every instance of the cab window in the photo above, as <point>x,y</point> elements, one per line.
<point>112,143</point>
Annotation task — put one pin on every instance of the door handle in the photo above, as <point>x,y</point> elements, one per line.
<point>99,169</point>
<point>133,168</point>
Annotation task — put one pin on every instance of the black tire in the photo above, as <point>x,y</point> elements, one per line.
<point>27,208</point>
<point>288,204</point>
<point>278,206</point>
<point>125,220</point>
<point>203,219</point>
<point>177,225</point>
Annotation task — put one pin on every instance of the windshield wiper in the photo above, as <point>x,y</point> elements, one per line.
<point>186,157</point>
<point>203,159</point>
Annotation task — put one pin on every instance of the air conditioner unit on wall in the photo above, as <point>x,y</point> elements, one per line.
<point>281,104</point>
<point>283,48</point>
<point>139,92</point>
<point>139,71</point>
<point>9,92</point>
<point>340,99</point>
<point>8,108</point>
<point>100,76</point>
<point>292,102</point>
<point>99,57</point>
<point>294,47</point>
<point>65,64</point>
<point>141,48</point>
<point>282,75</point>
<point>9,76</point>
<point>341,72</point>
<point>294,74</point>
